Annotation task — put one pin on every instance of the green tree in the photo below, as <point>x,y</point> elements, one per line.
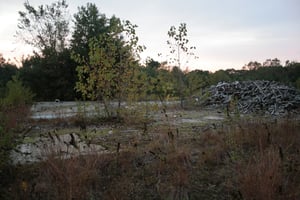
<point>50,73</point>
<point>197,81</point>
<point>46,27</point>
<point>106,74</point>
<point>151,72</point>
<point>17,94</point>
<point>293,74</point>
<point>89,23</point>
<point>298,83</point>
<point>13,112</point>
<point>218,76</point>
<point>151,67</point>
<point>179,84</point>
<point>50,77</point>
<point>138,85</point>
<point>7,71</point>
<point>163,85</point>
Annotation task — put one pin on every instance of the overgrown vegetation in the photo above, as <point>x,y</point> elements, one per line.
<point>147,154</point>
<point>13,113</point>
<point>228,160</point>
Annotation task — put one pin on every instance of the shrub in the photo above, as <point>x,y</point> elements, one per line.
<point>17,94</point>
<point>13,111</point>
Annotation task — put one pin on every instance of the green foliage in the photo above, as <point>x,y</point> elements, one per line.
<point>102,76</point>
<point>7,71</point>
<point>151,67</point>
<point>163,85</point>
<point>197,81</point>
<point>17,94</point>
<point>13,109</point>
<point>50,73</point>
<point>138,85</point>
<point>285,74</point>
<point>50,77</point>
<point>88,24</point>
<point>179,81</point>
<point>219,76</point>
<point>110,68</point>
<point>298,83</point>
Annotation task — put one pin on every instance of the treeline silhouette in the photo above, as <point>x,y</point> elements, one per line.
<point>55,78</point>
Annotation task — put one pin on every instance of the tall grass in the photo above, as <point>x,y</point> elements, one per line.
<point>262,177</point>
<point>268,172</point>
<point>238,159</point>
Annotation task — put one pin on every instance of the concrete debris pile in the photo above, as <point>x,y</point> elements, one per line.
<point>267,97</point>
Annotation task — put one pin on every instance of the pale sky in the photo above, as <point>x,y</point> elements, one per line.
<point>227,33</point>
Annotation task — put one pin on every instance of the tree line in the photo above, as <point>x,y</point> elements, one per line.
<point>99,60</point>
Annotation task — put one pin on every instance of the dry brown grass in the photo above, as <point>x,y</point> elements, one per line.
<point>67,178</point>
<point>15,116</point>
<point>243,159</point>
<point>271,148</point>
<point>261,177</point>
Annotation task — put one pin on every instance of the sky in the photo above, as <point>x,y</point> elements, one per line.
<point>226,33</point>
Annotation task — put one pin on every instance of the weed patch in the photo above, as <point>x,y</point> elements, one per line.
<point>242,158</point>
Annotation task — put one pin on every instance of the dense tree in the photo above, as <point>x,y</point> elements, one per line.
<point>179,83</point>
<point>111,59</point>
<point>297,83</point>
<point>139,85</point>
<point>50,72</point>
<point>7,71</point>
<point>219,76</point>
<point>150,73</point>
<point>89,23</point>
<point>17,94</point>
<point>163,86</point>
<point>293,74</point>
<point>151,67</point>
<point>197,81</point>
<point>51,77</point>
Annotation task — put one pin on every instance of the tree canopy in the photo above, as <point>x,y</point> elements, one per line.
<point>112,55</point>
<point>89,23</point>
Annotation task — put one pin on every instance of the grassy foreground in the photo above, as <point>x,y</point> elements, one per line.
<point>242,158</point>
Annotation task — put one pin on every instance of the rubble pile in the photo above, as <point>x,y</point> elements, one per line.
<point>266,97</point>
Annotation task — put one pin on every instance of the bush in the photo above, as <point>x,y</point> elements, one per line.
<point>17,94</point>
<point>13,111</point>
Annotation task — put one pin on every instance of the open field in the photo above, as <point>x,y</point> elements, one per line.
<point>155,151</point>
